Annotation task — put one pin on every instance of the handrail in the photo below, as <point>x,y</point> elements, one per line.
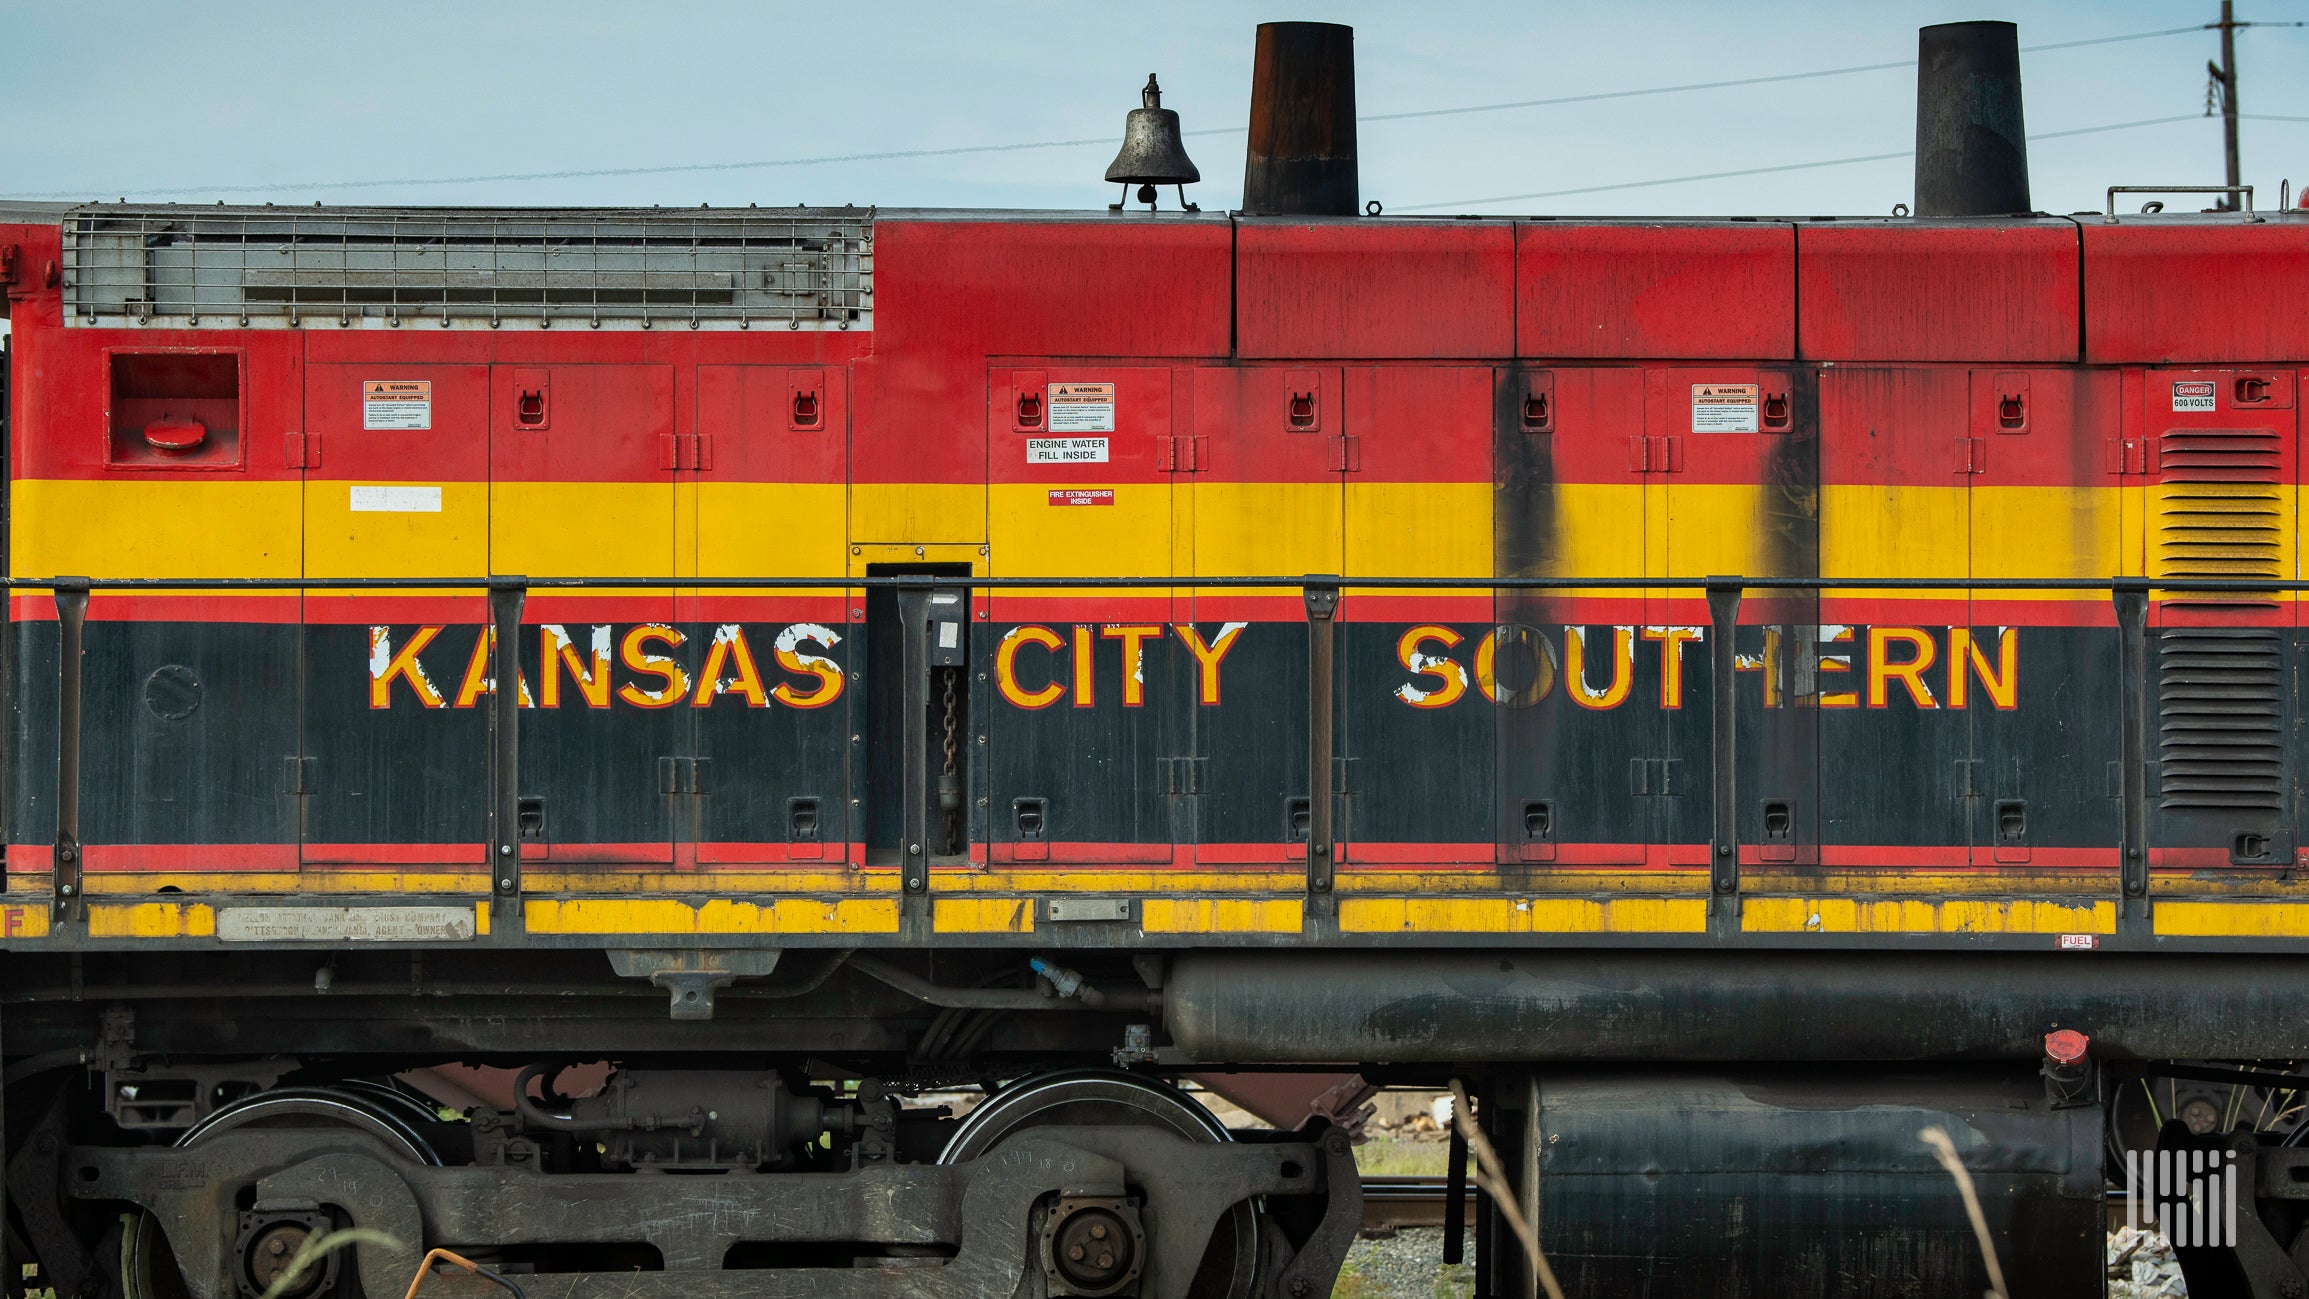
<point>1319,592</point>
<point>917,581</point>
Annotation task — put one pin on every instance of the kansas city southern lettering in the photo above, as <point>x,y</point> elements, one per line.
<point>406,665</point>
<point>1827,666</point>
<point>656,665</point>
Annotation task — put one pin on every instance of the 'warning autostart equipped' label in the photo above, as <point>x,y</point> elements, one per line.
<point>1724,408</point>
<point>1082,408</point>
<point>1066,451</point>
<point>2193,394</point>
<point>397,404</point>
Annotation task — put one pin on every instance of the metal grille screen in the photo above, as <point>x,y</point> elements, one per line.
<point>175,266</point>
<point>2219,717</point>
<point>2220,511</point>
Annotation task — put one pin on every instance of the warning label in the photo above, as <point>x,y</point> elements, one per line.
<point>1082,496</point>
<point>2193,394</point>
<point>397,404</point>
<point>1724,408</point>
<point>1065,451</point>
<point>1082,408</point>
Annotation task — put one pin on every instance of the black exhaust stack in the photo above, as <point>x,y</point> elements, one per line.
<point>1971,146</point>
<point>1301,160</point>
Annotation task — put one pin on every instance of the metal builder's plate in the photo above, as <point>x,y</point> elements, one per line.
<point>344,924</point>
<point>1064,909</point>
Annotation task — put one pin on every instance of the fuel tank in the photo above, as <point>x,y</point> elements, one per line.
<point>1759,1006</point>
<point>1732,1186</point>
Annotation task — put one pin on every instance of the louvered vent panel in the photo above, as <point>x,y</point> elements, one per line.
<point>2220,514</point>
<point>194,267</point>
<point>2219,716</point>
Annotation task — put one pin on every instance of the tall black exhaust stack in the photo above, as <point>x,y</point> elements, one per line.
<point>1301,160</point>
<point>1971,146</point>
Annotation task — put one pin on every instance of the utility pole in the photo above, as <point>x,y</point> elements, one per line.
<point>2225,83</point>
<point>2224,87</point>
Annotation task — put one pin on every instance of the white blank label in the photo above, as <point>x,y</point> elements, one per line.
<point>396,500</point>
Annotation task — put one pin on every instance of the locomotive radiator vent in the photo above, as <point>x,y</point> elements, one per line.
<point>2219,718</point>
<point>179,266</point>
<point>2220,511</point>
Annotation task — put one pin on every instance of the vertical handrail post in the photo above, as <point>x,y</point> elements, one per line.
<point>2132,600</point>
<point>1321,592</point>
<point>914,691</point>
<point>71,625</point>
<point>1724,854</point>
<point>506,595</point>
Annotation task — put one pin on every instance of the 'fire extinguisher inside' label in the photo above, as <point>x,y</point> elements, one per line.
<point>396,404</point>
<point>1082,408</point>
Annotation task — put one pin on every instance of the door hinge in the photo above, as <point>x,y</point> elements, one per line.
<point>1346,453</point>
<point>1181,455</point>
<point>685,451</point>
<point>302,775</point>
<point>1972,455</point>
<point>1655,455</point>
<point>2128,455</point>
<point>681,775</point>
<point>303,450</point>
<point>1182,775</point>
<point>1654,776</point>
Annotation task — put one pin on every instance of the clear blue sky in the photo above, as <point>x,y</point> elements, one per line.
<point>153,100</point>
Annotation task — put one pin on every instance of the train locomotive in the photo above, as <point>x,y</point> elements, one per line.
<point>571,736</point>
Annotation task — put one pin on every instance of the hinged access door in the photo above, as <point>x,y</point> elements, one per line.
<point>1267,501</point>
<point>582,461</point>
<point>161,455</point>
<point>395,761</point>
<point>2221,468</point>
<point>1414,729</point>
<point>2036,672</point>
<point>1089,700</point>
<point>770,712</point>
<point>1895,768</point>
<point>1738,495</point>
<point>1580,758</point>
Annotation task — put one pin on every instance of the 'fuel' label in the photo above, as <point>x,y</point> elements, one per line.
<point>397,404</point>
<point>2193,394</point>
<point>1082,408</point>
<point>1066,451</point>
<point>1724,408</point>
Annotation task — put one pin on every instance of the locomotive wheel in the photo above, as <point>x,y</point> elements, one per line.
<point>2139,1109</point>
<point>1098,1097</point>
<point>148,1269</point>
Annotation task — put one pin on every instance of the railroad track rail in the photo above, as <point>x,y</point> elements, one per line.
<point>1392,1203</point>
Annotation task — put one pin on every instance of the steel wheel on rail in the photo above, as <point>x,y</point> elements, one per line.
<point>1099,1097</point>
<point>148,1269</point>
<point>2140,1107</point>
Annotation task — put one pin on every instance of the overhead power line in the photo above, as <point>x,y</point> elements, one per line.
<point>892,155</point>
<point>1461,204</point>
<point>1742,81</point>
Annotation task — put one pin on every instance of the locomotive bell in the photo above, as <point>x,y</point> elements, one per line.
<point>1152,152</point>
